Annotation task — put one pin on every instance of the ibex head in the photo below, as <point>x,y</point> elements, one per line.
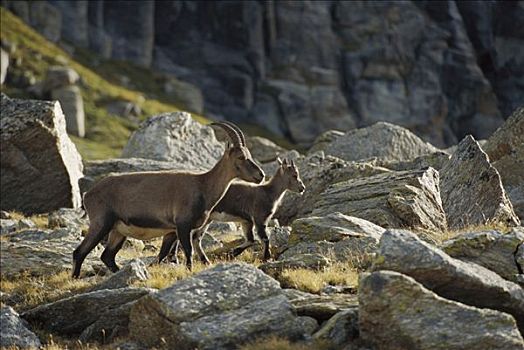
<point>238,156</point>
<point>290,176</point>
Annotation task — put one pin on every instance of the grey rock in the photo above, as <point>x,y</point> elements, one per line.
<point>333,227</point>
<point>322,307</point>
<point>493,250</point>
<point>436,160</point>
<point>112,323</point>
<point>471,189</point>
<point>263,149</point>
<point>385,141</point>
<point>8,226</point>
<point>222,307</point>
<point>14,331</point>
<point>125,109</point>
<point>318,171</point>
<point>310,261</point>
<point>505,149</point>
<point>131,29</point>
<point>323,140</point>
<point>185,94</point>
<point>73,315</point>
<point>395,199</point>
<point>46,19</point>
<point>58,77</point>
<point>4,64</point>
<point>67,217</point>
<point>4,215</point>
<point>133,271</point>
<point>177,138</point>
<point>74,21</point>
<point>468,283</point>
<point>519,257</point>
<point>72,104</point>
<point>391,304</point>
<point>340,329</point>
<point>40,165</point>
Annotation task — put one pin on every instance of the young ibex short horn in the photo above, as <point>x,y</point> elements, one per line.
<point>252,206</point>
<point>146,205</point>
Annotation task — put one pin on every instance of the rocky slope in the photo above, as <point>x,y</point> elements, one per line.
<point>439,250</point>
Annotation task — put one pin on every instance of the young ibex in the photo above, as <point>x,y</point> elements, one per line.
<point>146,205</point>
<point>251,205</point>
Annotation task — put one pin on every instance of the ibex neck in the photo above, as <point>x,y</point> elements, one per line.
<point>275,187</point>
<point>217,181</point>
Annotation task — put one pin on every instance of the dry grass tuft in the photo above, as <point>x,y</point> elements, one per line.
<point>40,220</point>
<point>26,291</point>
<point>314,281</point>
<point>452,233</point>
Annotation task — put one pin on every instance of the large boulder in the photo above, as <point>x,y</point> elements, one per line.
<point>40,165</point>
<point>385,141</point>
<point>340,329</point>
<point>219,308</point>
<point>14,332</point>
<point>492,249</point>
<point>468,283</point>
<point>394,199</point>
<point>505,149</point>
<point>132,272</point>
<point>262,149</point>
<point>396,312</point>
<point>59,76</point>
<point>177,138</point>
<point>71,316</point>
<point>336,236</point>
<point>471,189</point>
<point>318,171</point>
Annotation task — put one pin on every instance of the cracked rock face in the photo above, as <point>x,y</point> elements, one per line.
<point>216,309</point>
<point>392,304</point>
<point>394,199</point>
<point>472,191</point>
<point>14,331</point>
<point>40,165</point>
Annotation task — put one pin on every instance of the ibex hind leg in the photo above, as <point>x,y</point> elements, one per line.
<point>261,232</point>
<point>113,245</point>
<point>98,229</point>
<point>167,246</point>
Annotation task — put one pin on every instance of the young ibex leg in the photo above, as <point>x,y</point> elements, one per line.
<point>98,229</point>
<point>114,243</point>
<point>166,247</point>
<point>247,227</point>
<point>261,232</point>
<point>197,243</point>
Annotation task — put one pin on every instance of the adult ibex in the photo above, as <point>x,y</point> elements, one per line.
<point>252,206</point>
<point>146,205</point>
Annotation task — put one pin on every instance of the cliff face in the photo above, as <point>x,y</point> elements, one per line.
<point>442,69</point>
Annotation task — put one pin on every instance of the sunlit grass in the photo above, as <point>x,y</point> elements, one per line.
<point>313,281</point>
<point>497,226</point>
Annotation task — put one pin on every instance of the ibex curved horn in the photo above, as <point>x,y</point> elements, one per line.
<point>231,132</point>
<point>237,129</point>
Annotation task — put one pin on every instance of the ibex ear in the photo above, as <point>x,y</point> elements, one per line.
<point>228,145</point>
<point>279,161</point>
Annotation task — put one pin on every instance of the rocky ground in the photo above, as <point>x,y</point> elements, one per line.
<point>394,245</point>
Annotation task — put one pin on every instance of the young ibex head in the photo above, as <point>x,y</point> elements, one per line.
<point>239,156</point>
<point>290,177</point>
